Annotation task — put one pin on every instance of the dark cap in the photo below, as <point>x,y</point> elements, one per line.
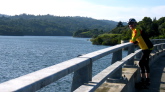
<point>132,20</point>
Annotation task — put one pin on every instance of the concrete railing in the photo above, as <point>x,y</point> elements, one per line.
<point>82,68</point>
<point>113,73</point>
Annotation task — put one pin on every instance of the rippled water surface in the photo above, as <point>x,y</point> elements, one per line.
<point>21,55</point>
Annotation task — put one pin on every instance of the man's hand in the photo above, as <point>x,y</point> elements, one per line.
<point>136,43</point>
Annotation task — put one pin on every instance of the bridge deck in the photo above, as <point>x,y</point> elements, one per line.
<point>157,79</point>
<point>157,76</point>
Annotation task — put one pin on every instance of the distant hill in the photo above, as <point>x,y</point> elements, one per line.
<point>25,24</point>
<point>1,15</point>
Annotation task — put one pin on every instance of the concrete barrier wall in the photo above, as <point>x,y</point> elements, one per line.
<point>82,68</point>
<point>130,74</point>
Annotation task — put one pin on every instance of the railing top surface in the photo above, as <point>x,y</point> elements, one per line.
<point>103,52</point>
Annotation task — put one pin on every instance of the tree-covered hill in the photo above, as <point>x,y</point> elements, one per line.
<point>87,33</point>
<point>95,32</point>
<point>154,29</point>
<point>50,25</point>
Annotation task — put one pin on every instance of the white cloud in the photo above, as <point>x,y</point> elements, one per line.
<point>158,11</point>
<point>78,8</point>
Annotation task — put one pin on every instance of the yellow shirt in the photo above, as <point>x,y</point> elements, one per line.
<point>143,42</point>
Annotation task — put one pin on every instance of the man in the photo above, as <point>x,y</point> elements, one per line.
<point>138,37</point>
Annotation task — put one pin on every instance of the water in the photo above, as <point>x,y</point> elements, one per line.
<point>21,55</point>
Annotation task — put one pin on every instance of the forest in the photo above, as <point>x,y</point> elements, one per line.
<point>155,29</point>
<point>49,25</point>
<point>101,32</point>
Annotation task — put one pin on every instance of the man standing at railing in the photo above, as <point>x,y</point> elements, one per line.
<point>139,37</point>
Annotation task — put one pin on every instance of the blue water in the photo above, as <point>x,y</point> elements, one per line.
<point>21,55</point>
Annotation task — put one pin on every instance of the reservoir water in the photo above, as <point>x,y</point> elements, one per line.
<point>20,55</point>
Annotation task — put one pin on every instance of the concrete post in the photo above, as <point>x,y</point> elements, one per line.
<point>154,42</point>
<point>130,62</point>
<point>157,49</point>
<point>116,56</point>
<point>116,76</point>
<point>154,49</point>
<point>163,46</point>
<point>131,49</point>
<point>82,76</point>
<point>124,41</point>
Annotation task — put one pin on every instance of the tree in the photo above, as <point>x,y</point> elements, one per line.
<point>106,39</point>
<point>146,25</point>
<point>87,33</point>
<point>161,20</point>
<point>120,24</point>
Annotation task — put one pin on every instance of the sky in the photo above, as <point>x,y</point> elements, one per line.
<point>116,10</point>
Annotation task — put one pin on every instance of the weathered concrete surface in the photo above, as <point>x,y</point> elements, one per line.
<point>157,79</point>
<point>162,84</point>
<point>157,76</point>
<point>132,75</point>
<point>110,87</point>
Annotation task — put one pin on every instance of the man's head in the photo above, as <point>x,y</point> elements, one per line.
<point>132,23</point>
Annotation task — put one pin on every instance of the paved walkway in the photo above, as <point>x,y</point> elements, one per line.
<point>157,76</point>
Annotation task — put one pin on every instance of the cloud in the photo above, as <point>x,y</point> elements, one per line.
<point>158,11</point>
<point>123,14</point>
<point>79,8</point>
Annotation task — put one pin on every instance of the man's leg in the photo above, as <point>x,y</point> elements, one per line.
<point>147,52</point>
<point>144,64</point>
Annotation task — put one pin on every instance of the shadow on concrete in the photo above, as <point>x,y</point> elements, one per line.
<point>157,71</point>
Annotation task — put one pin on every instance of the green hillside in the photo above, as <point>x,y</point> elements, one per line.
<point>49,25</point>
